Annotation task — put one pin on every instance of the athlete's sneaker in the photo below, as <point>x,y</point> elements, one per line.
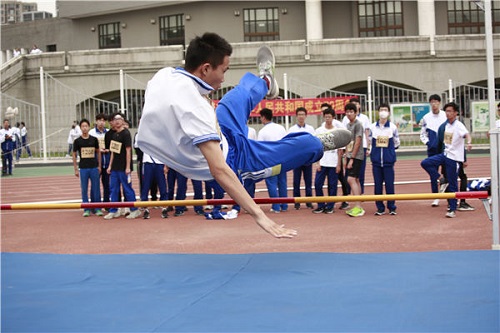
<point>124,211</point>
<point>146,214</point>
<point>344,205</point>
<point>334,139</point>
<point>199,212</point>
<point>297,206</point>
<point>99,212</point>
<point>451,214</point>
<point>114,215</point>
<point>318,210</point>
<point>134,214</point>
<point>356,212</point>
<point>274,211</point>
<point>179,213</point>
<point>164,213</point>
<point>464,206</point>
<point>86,213</point>
<point>208,207</point>
<point>380,212</point>
<point>435,203</point>
<point>393,212</point>
<point>265,65</point>
<point>309,205</point>
<point>329,210</point>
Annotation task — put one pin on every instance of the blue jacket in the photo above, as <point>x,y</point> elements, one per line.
<point>383,136</point>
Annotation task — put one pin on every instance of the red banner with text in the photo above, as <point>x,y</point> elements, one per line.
<point>287,107</point>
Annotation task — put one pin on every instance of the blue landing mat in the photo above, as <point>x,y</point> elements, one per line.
<point>292,292</point>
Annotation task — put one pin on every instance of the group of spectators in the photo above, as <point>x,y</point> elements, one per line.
<point>106,154</point>
<point>446,138</point>
<point>13,140</point>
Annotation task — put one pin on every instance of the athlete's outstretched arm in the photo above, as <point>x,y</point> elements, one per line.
<point>229,182</point>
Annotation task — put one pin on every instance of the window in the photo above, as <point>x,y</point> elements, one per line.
<point>261,24</point>
<point>172,30</point>
<point>109,36</point>
<point>380,18</point>
<point>51,48</point>
<point>465,17</point>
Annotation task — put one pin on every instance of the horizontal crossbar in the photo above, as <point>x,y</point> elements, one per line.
<point>203,202</point>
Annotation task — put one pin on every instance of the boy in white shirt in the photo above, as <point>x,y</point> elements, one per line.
<point>328,165</point>
<point>453,140</point>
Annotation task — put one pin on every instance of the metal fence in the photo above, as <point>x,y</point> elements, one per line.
<point>64,104</point>
<point>300,89</point>
<point>133,98</point>
<point>30,115</point>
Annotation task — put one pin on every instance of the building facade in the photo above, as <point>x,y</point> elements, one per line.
<point>12,11</point>
<point>327,45</point>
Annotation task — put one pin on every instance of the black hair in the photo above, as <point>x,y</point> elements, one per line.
<point>210,48</point>
<point>101,116</point>
<point>435,97</point>
<point>266,113</point>
<point>351,106</point>
<point>84,121</point>
<point>329,111</point>
<point>301,109</point>
<point>455,106</point>
<point>384,105</point>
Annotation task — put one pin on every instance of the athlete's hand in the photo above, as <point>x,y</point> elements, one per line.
<point>278,231</point>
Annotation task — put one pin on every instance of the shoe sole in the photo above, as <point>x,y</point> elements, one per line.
<point>265,54</point>
<point>338,138</point>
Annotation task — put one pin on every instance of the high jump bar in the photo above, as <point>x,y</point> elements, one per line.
<point>289,200</point>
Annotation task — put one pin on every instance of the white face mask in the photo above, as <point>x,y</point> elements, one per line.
<point>383,114</point>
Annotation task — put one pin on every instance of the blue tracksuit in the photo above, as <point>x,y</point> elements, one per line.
<point>384,142</point>
<point>260,159</point>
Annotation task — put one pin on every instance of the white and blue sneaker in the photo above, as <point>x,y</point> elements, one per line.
<point>265,65</point>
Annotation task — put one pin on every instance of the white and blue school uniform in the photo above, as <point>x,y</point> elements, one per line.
<point>429,130</point>
<point>451,136</point>
<point>328,164</point>
<point>276,185</point>
<point>384,142</point>
<point>7,140</point>
<point>152,170</point>
<point>177,116</point>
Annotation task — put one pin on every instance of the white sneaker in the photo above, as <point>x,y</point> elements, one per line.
<point>133,214</point>
<point>208,207</point>
<point>435,203</point>
<point>334,139</point>
<point>110,216</point>
<point>124,211</point>
<point>451,214</point>
<point>265,64</point>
